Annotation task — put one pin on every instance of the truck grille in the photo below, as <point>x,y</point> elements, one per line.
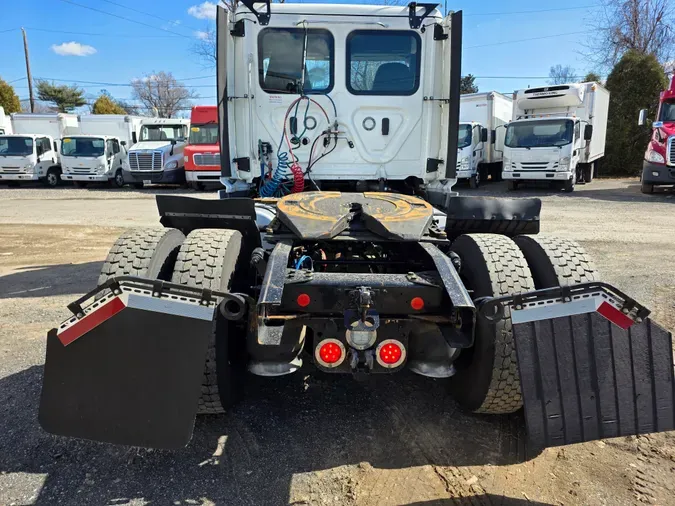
<point>202,159</point>
<point>535,166</point>
<point>146,161</point>
<point>12,170</point>
<point>671,151</point>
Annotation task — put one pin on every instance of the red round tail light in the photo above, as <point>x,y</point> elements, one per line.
<point>330,353</point>
<point>303,300</point>
<point>417,303</point>
<point>390,353</point>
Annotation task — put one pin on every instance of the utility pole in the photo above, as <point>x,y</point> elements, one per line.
<point>30,78</point>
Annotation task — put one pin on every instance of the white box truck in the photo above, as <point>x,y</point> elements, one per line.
<point>32,152</point>
<point>5,123</point>
<point>480,141</point>
<point>97,153</point>
<point>557,134</point>
<point>157,157</point>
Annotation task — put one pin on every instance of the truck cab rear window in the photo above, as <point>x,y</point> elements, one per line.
<point>383,62</point>
<point>280,58</point>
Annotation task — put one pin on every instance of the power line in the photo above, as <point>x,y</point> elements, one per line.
<point>508,13</point>
<point>127,19</point>
<point>8,30</point>
<point>145,13</point>
<point>103,34</point>
<point>100,83</point>
<point>529,39</point>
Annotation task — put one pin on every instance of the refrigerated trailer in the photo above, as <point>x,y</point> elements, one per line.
<point>482,117</point>
<point>351,283</point>
<point>557,134</point>
<point>97,153</point>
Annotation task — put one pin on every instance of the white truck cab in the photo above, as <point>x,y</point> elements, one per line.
<point>556,135</point>
<point>92,158</point>
<point>471,146</point>
<point>25,158</point>
<point>343,96</point>
<point>98,152</point>
<point>42,136</point>
<point>157,157</point>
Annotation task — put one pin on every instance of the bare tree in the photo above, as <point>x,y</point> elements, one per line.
<point>645,26</point>
<point>205,47</point>
<point>162,94</point>
<point>561,75</point>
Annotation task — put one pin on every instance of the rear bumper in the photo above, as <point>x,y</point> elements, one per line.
<point>536,175</point>
<point>654,173</point>
<point>175,176</point>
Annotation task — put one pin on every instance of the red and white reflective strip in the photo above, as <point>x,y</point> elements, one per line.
<point>104,309</point>
<point>598,302</point>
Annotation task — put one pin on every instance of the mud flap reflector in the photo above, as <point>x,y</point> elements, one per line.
<point>128,370</point>
<point>588,371</point>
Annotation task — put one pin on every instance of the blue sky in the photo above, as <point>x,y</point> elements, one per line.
<point>116,50</point>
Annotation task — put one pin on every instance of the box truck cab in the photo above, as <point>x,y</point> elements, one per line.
<point>157,157</point>
<point>658,168</point>
<point>202,153</point>
<point>557,134</point>
<point>471,142</point>
<point>98,152</point>
<point>491,111</point>
<point>25,158</point>
<point>42,128</point>
<point>338,96</point>
<point>5,123</point>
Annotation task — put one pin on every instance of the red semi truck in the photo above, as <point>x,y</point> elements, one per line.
<point>202,154</point>
<point>659,165</point>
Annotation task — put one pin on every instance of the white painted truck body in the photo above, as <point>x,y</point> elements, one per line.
<point>98,152</point>
<point>28,157</point>
<point>41,161</point>
<point>380,87</point>
<point>5,123</point>
<point>493,111</point>
<point>157,157</point>
<point>546,140</point>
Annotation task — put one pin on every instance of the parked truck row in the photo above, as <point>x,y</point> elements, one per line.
<point>82,149</point>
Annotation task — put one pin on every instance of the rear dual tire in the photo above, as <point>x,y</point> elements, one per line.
<point>205,259</point>
<point>487,378</point>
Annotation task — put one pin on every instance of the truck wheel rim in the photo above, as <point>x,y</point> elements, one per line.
<point>51,179</point>
<point>119,179</point>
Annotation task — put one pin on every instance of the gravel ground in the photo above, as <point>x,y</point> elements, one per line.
<point>308,439</point>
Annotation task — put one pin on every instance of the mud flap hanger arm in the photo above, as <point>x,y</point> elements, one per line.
<point>158,288</point>
<point>492,309</point>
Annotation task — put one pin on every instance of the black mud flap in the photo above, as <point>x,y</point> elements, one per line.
<point>592,366</point>
<point>127,369</point>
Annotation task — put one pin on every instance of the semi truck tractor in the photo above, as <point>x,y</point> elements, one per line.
<point>557,135</point>
<point>481,140</point>
<point>350,283</point>
<point>98,152</point>
<point>658,168</point>
<point>202,154</point>
<point>157,157</point>
<point>32,154</point>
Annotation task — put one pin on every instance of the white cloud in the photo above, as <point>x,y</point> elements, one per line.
<point>73,49</point>
<point>201,35</point>
<point>206,10</point>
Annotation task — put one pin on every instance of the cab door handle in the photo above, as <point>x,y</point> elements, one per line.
<point>385,126</point>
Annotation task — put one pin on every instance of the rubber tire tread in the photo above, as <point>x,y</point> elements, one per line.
<point>492,265</point>
<point>146,252</point>
<point>208,259</point>
<point>555,261</point>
